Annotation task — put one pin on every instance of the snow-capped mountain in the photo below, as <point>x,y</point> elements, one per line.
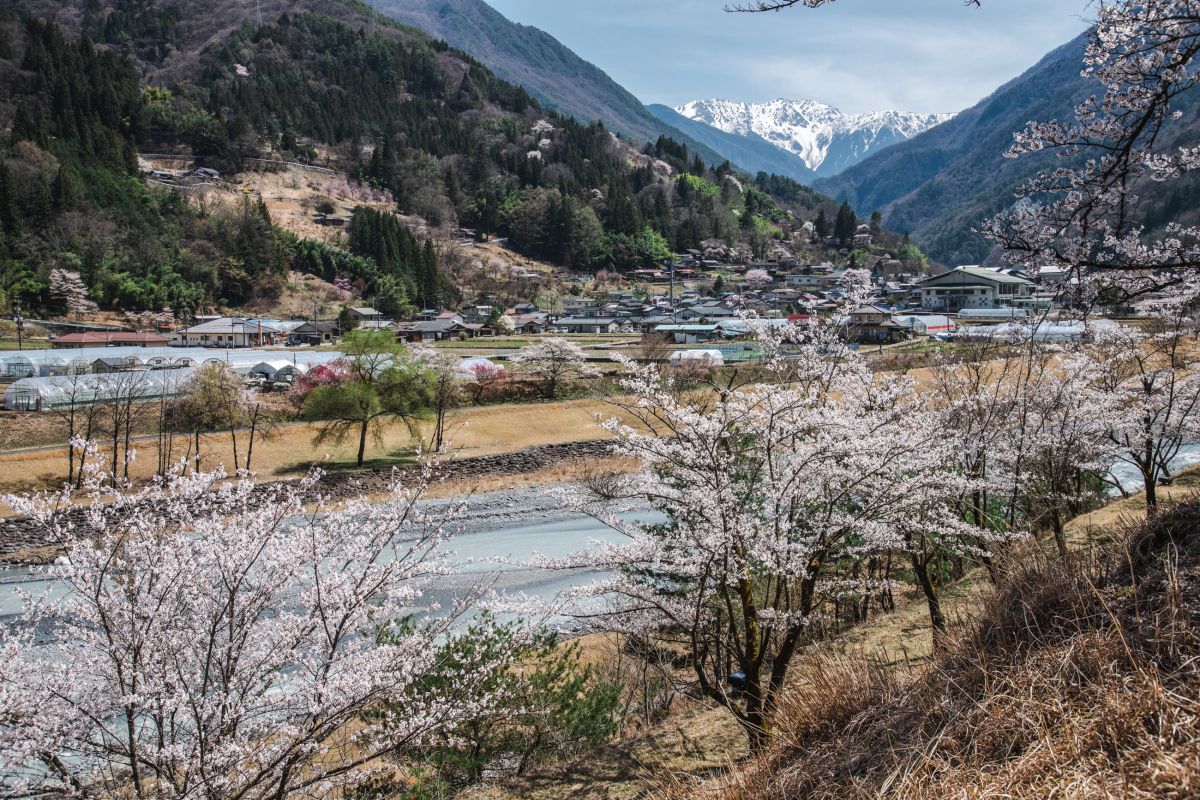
<point>827,140</point>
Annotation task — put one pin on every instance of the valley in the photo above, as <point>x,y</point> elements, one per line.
<point>436,400</point>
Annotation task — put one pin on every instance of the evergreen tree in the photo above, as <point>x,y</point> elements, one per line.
<point>845,224</point>
<point>821,225</point>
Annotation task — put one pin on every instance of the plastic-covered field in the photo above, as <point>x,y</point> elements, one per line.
<point>63,391</point>
<point>49,379</point>
<point>45,363</point>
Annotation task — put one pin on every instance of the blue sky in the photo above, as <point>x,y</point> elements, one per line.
<point>859,55</point>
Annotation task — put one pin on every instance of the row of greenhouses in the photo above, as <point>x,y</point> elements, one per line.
<point>145,375</point>
<point>47,363</point>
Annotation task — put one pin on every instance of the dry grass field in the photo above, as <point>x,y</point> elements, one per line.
<point>290,450</point>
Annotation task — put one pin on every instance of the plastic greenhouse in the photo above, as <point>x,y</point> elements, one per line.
<point>61,391</point>
<point>279,370</point>
<point>48,379</point>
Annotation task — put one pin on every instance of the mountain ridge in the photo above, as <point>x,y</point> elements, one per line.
<point>751,152</point>
<point>826,139</point>
<point>529,57</point>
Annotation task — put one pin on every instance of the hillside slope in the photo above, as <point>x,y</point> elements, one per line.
<point>531,58</point>
<point>417,129</point>
<point>940,183</point>
<point>1079,680</point>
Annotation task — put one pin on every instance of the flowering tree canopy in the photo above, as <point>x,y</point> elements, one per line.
<point>764,490</point>
<point>69,289</point>
<point>215,642</point>
<point>1081,215</point>
<point>555,360</point>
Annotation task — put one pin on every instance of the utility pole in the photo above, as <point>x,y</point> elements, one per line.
<point>20,323</point>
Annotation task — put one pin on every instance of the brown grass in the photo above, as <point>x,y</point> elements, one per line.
<point>1080,680</point>
<point>473,432</point>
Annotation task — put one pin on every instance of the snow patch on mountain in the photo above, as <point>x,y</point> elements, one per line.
<point>826,139</point>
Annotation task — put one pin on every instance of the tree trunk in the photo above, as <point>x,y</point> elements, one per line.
<point>83,452</point>
<point>116,446</point>
<point>362,441</point>
<point>1060,538</point>
<point>755,721</point>
<point>71,445</point>
<point>936,618</point>
<point>253,429</point>
<point>128,435</point>
<point>233,438</point>
<point>197,456</point>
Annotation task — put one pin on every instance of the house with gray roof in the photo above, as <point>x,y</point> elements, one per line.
<point>972,287</point>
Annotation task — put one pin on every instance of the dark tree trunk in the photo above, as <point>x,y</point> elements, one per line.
<point>936,619</point>
<point>362,441</point>
<point>1060,537</point>
<point>253,429</point>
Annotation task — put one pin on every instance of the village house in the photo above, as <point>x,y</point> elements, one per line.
<point>589,324</point>
<point>534,322</point>
<point>874,324</point>
<point>110,339</point>
<point>363,314</point>
<point>316,332</point>
<point>972,287</point>
<point>234,332</point>
<point>446,325</point>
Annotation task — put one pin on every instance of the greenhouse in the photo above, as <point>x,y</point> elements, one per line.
<point>279,370</point>
<point>63,391</point>
<point>49,379</point>
<point>45,363</point>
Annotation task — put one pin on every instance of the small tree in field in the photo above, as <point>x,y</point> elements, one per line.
<point>484,381</point>
<point>382,383</point>
<point>214,399</point>
<point>554,361</point>
<point>445,389</point>
<point>217,642</point>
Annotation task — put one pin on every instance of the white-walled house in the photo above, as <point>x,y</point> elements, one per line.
<point>972,287</point>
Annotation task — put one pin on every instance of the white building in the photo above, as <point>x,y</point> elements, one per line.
<point>972,287</point>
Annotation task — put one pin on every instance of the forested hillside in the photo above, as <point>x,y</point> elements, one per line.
<point>452,144</point>
<point>533,59</point>
<point>940,184</point>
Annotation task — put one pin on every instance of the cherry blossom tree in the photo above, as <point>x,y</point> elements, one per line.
<point>764,491</point>
<point>504,325</point>
<point>553,361</point>
<point>1151,381</point>
<point>484,381</point>
<point>220,641</point>
<point>757,278</point>
<point>1062,437</point>
<point>152,320</point>
<point>68,288</point>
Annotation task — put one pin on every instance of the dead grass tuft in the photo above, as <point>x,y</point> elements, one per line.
<point>1080,680</point>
